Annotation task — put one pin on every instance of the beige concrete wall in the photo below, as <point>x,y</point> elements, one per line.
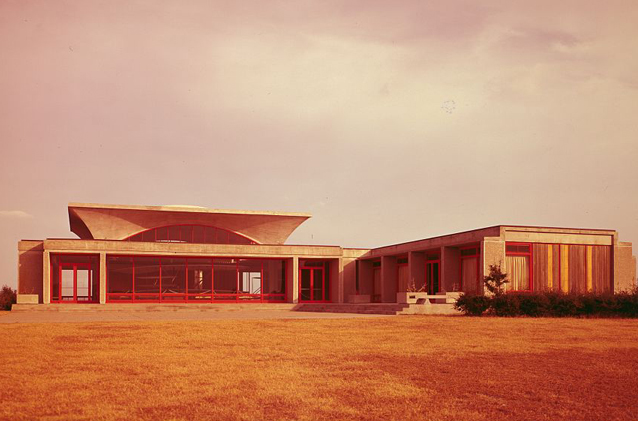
<point>46,277</point>
<point>102,278</point>
<point>492,253</point>
<point>624,267</point>
<point>336,285</point>
<point>182,249</point>
<point>30,266</point>
<point>558,238</point>
<point>292,277</point>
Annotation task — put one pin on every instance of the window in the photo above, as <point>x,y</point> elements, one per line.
<point>470,270</point>
<point>192,279</point>
<point>190,234</point>
<point>518,266</point>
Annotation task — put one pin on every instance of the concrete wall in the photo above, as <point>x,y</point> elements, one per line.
<point>450,269</point>
<point>30,266</point>
<point>492,253</point>
<point>389,279</point>
<point>624,267</point>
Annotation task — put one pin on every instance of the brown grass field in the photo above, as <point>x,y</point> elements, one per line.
<point>398,368</point>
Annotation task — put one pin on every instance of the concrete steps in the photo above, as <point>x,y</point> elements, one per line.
<point>389,309</point>
<point>150,307</point>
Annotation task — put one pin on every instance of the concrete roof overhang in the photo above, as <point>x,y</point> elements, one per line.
<point>118,222</point>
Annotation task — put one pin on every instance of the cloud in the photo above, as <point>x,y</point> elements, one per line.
<point>17,214</point>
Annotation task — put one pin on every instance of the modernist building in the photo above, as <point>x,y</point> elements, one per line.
<point>129,254</point>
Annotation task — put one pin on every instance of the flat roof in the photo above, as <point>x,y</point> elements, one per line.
<point>595,231</point>
<point>186,208</point>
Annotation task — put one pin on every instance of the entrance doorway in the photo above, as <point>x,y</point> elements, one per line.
<point>77,284</point>
<point>433,275</point>
<point>314,286</point>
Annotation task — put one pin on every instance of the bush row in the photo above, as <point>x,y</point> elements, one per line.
<point>551,304</point>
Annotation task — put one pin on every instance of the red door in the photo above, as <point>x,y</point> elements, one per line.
<point>76,284</point>
<point>312,285</point>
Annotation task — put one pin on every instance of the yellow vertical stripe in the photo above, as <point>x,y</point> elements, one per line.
<point>564,268</point>
<point>590,284</point>
<point>550,268</point>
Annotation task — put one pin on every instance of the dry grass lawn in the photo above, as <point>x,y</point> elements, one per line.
<point>400,368</point>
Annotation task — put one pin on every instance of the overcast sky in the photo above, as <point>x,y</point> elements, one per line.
<point>388,121</point>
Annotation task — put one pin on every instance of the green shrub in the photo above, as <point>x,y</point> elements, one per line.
<point>533,305</point>
<point>472,305</point>
<point>505,305</point>
<point>7,298</point>
<point>551,304</point>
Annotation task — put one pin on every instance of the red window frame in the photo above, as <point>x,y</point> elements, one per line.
<point>236,297</point>
<point>86,265</point>
<point>313,265</point>
<point>469,256</point>
<point>530,255</point>
<point>430,289</point>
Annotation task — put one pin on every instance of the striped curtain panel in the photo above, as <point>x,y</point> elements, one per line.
<point>517,269</point>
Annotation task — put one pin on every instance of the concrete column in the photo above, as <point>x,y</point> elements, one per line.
<point>295,280</point>
<point>416,268</point>
<point>102,278</point>
<point>450,269</point>
<point>366,277</point>
<point>492,253</point>
<point>339,276</point>
<point>389,279</point>
<point>46,278</point>
<point>624,267</point>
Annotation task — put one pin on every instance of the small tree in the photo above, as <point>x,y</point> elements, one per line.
<point>496,280</point>
<point>7,298</point>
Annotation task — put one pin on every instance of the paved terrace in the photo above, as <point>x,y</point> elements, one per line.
<point>62,313</point>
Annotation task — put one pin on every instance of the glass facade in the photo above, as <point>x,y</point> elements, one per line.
<point>194,279</point>
<point>75,278</point>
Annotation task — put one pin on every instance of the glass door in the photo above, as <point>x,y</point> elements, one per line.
<point>312,286</point>
<point>76,283</point>
<point>432,277</point>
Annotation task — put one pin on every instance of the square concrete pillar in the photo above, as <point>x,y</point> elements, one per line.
<point>366,277</point>
<point>492,253</point>
<point>292,288</point>
<point>337,280</point>
<point>450,269</point>
<point>416,268</point>
<point>624,267</point>
<point>102,278</point>
<point>46,278</point>
<point>389,279</point>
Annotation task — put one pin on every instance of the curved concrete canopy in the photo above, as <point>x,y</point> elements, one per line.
<point>118,222</point>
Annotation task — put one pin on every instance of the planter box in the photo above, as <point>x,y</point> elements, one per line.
<point>27,299</point>
<point>411,297</point>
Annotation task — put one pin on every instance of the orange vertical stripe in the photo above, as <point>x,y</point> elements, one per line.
<point>590,286</point>
<point>550,268</point>
<point>564,268</point>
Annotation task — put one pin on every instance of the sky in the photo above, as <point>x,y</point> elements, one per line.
<point>387,121</point>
